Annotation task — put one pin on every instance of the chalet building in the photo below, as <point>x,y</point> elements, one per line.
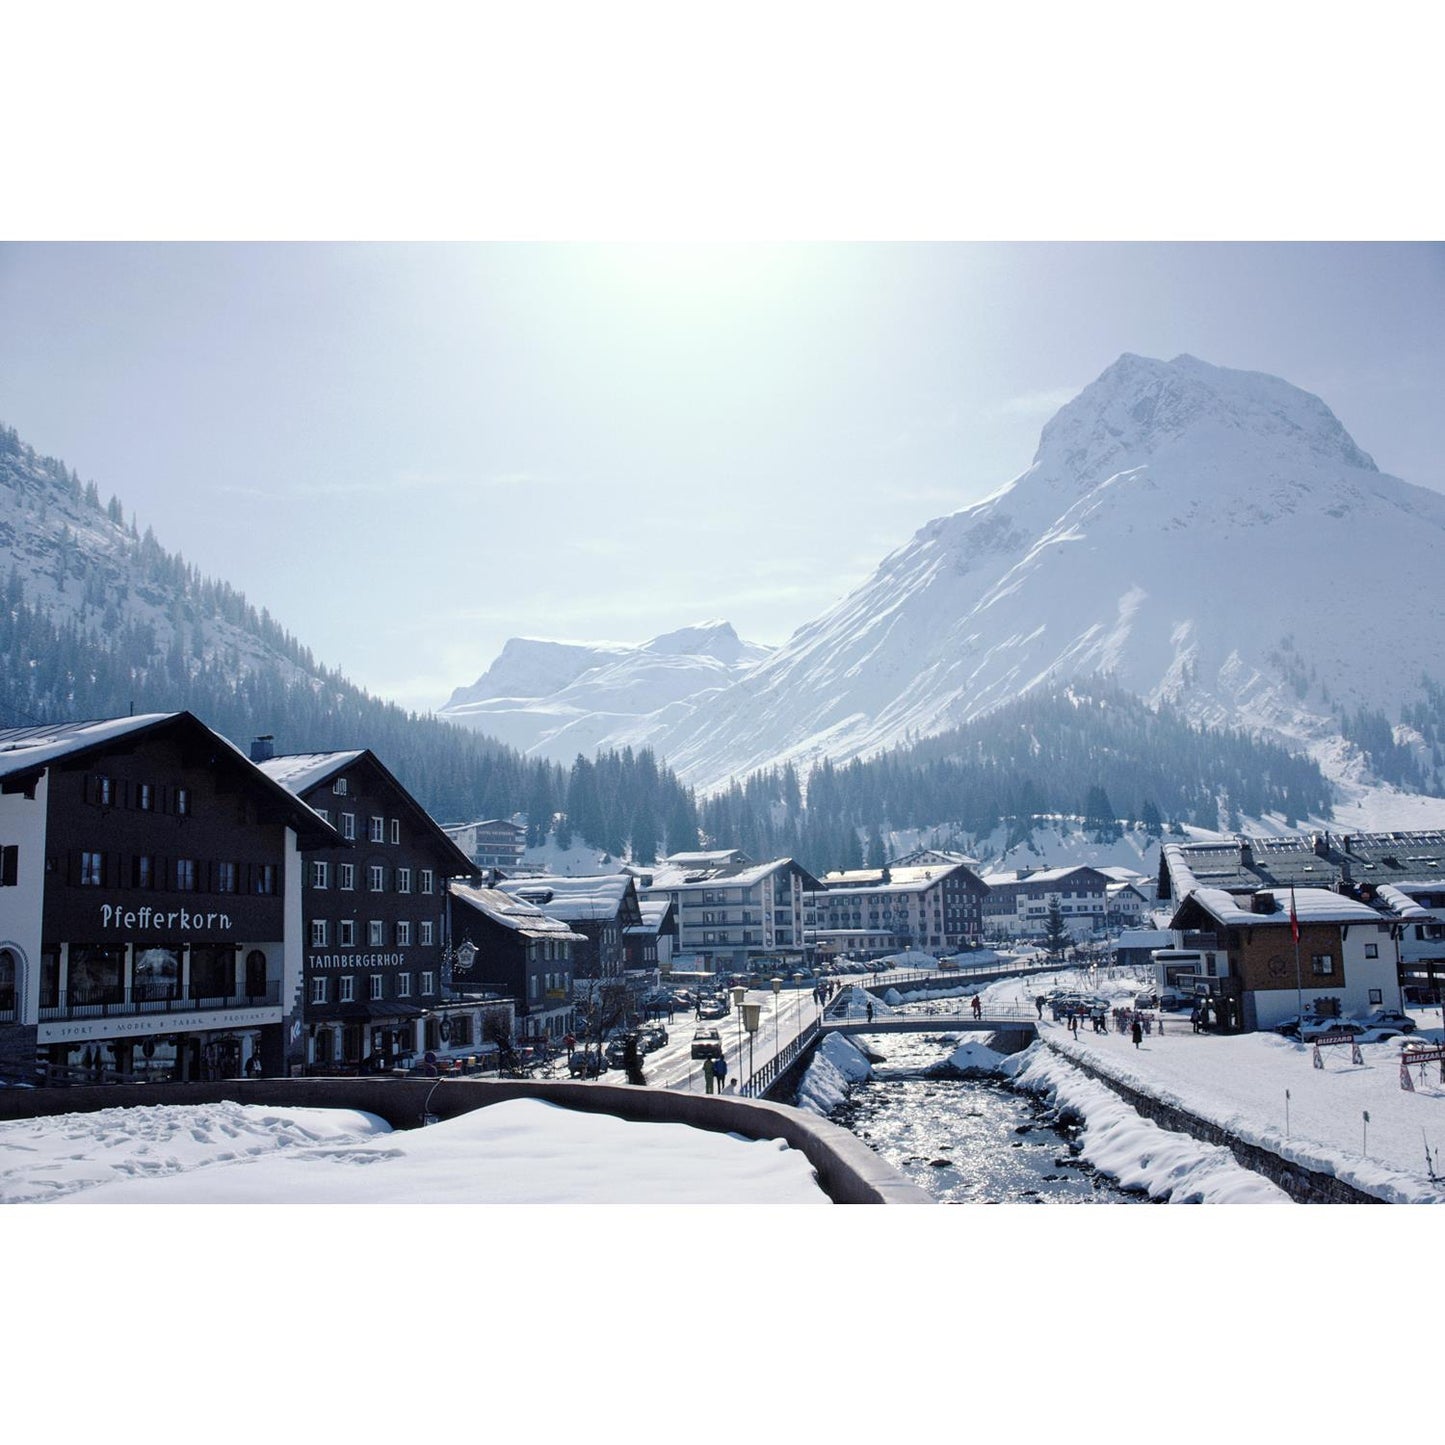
<point>1419,913</point>
<point>374,912</point>
<point>1256,974</point>
<point>496,843</point>
<point>150,904</point>
<point>512,948</point>
<point>648,946</point>
<point>1127,904</point>
<point>600,907</point>
<point>936,907</point>
<point>1018,902</point>
<point>735,916</point>
<point>1399,874</point>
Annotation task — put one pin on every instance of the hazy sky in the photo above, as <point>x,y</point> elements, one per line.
<point>411,452</point>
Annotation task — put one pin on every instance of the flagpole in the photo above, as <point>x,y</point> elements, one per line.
<point>1299,996</point>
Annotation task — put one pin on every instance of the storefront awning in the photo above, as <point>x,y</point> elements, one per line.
<point>369,1011</point>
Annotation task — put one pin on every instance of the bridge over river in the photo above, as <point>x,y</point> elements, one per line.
<point>847,1013</point>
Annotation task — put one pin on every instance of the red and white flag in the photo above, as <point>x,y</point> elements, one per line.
<point>1293,917</point>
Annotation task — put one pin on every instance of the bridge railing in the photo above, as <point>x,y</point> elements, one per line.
<point>759,1083</point>
<point>1010,1013</point>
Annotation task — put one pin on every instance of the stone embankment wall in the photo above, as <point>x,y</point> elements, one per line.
<point>848,1171</point>
<point>1304,1186</point>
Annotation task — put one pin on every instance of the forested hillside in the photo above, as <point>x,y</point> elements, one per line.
<point>1093,752</point>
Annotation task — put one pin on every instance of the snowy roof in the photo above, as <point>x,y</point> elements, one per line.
<point>1246,864</point>
<point>1312,905</point>
<point>1146,938</point>
<point>33,749</point>
<point>514,913</point>
<point>901,878</point>
<point>579,900</point>
<point>1397,901</point>
<point>718,858</point>
<point>1039,875</point>
<point>654,914</point>
<point>731,875</point>
<point>1135,885</point>
<point>1120,875</point>
<point>24,749</point>
<point>298,772</point>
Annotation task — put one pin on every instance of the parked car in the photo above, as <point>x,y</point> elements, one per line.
<point>707,1044</point>
<point>1390,1018</point>
<point>585,1064</point>
<point>1314,1028</point>
<point>616,1052</point>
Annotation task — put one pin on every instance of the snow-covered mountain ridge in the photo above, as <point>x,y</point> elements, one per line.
<point>1205,536</point>
<point>558,699</point>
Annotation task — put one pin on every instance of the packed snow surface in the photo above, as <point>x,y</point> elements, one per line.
<point>523,1151</point>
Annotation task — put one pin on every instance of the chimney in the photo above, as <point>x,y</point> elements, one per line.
<point>1246,852</point>
<point>1262,903</point>
<point>263,748</point>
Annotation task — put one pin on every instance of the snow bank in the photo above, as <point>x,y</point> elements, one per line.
<point>1134,1150</point>
<point>837,1064</point>
<point>523,1151</point>
<point>972,1059</point>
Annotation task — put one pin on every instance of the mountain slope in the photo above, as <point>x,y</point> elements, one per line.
<point>1208,537</point>
<point>559,699</point>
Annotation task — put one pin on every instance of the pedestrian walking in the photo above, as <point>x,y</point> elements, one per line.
<point>977,1007</point>
<point>870,1013</point>
<point>707,1075</point>
<point>1136,1031</point>
<point>1039,1004</point>
<point>720,1072</point>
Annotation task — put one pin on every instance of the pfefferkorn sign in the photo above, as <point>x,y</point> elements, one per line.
<point>180,920</point>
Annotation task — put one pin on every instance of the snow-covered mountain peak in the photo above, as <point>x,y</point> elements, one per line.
<point>715,639</point>
<point>1141,410</point>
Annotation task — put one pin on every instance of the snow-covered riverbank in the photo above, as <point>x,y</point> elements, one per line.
<point>1352,1120</point>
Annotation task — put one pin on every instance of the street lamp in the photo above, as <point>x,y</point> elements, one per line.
<point>750,1013</point>
<point>777,990</point>
<point>739,993</point>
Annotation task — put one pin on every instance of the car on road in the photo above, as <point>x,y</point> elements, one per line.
<point>707,1044</point>
<point>585,1064</point>
<point>712,1008</point>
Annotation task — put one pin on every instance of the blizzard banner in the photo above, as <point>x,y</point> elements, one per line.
<point>139,1026</point>
<point>182,920</point>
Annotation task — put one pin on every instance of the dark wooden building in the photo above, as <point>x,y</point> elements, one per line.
<point>377,961</point>
<point>150,896</point>
<point>521,952</point>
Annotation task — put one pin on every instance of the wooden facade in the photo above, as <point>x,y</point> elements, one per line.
<point>151,915</point>
<point>376,960</point>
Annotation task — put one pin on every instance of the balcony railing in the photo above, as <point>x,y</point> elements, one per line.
<point>95,1002</point>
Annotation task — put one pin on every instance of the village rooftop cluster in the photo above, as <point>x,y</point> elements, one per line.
<point>172,907</point>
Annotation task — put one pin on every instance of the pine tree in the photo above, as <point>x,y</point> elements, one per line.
<point>1056,932</point>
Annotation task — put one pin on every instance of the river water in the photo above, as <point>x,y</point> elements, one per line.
<point>967,1141</point>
